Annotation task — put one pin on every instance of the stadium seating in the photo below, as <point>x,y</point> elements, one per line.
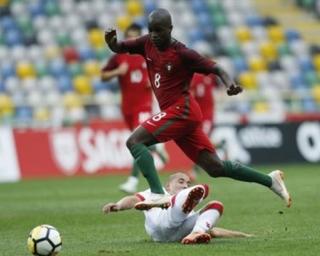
<point>51,52</point>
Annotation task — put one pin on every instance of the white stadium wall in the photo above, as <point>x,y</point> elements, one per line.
<point>94,149</point>
<point>9,168</point>
<point>99,149</point>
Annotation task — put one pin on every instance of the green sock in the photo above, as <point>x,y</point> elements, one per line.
<point>145,162</point>
<point>241,172</point>
<point>135,170</point>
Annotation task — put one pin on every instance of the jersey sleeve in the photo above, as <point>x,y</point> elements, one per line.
<point>197,63</point>
<point>111,64</point>
<point>134,46</point>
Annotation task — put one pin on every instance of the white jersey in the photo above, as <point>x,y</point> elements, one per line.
<point>166,225</point>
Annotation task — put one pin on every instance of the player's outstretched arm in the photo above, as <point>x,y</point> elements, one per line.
<point>230,84</point>
<point>200,64</point>
<point>226,233</point>
<point>126,203</point>
<point>110,37</point>
<point>132,46</point>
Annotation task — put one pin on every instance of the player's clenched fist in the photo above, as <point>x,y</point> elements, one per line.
<point>234,90</point>
<point>110,36</point>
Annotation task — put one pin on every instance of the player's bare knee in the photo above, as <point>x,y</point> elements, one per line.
<point>214,169</point>
<point>211,163</point>
<point>131,141</point>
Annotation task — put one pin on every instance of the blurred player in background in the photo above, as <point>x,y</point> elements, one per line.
<point>202,88</point>
<point>179,222</point>
<point>171,66</point>
<point>136,104</point>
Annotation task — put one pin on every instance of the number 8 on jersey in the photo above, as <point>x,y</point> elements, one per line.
<point>157,80</point>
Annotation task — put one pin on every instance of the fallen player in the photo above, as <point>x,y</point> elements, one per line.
<point>179,222</point>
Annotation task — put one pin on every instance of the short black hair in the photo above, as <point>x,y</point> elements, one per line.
<point>134,27</point>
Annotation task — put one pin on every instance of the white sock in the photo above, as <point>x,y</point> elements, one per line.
<point>155,196</point>
<point>206,220</point>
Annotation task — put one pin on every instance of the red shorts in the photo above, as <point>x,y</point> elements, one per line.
<point>181,122</point>
<point>133,120</point>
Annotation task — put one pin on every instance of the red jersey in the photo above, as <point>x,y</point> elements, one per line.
<point>201,88</point>
<point>170,71</point>
<point>135,86</point>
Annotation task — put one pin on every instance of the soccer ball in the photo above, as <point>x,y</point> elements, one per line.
<point>44,240</point>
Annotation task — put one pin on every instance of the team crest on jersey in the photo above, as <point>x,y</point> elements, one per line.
<point>169,67</point>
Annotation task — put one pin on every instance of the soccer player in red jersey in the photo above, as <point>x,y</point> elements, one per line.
<point>136,104</point>
<point>202,87</point>
<point>171,66</point>
<point>131,71</point>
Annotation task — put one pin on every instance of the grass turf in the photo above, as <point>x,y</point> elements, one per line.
<point>73,205</point>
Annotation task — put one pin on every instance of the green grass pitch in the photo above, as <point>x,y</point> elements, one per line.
<point>73,206</point>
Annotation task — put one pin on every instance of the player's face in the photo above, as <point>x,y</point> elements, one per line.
<point>132,34</point>
<point>160,34</point>
<point>178,183</point>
